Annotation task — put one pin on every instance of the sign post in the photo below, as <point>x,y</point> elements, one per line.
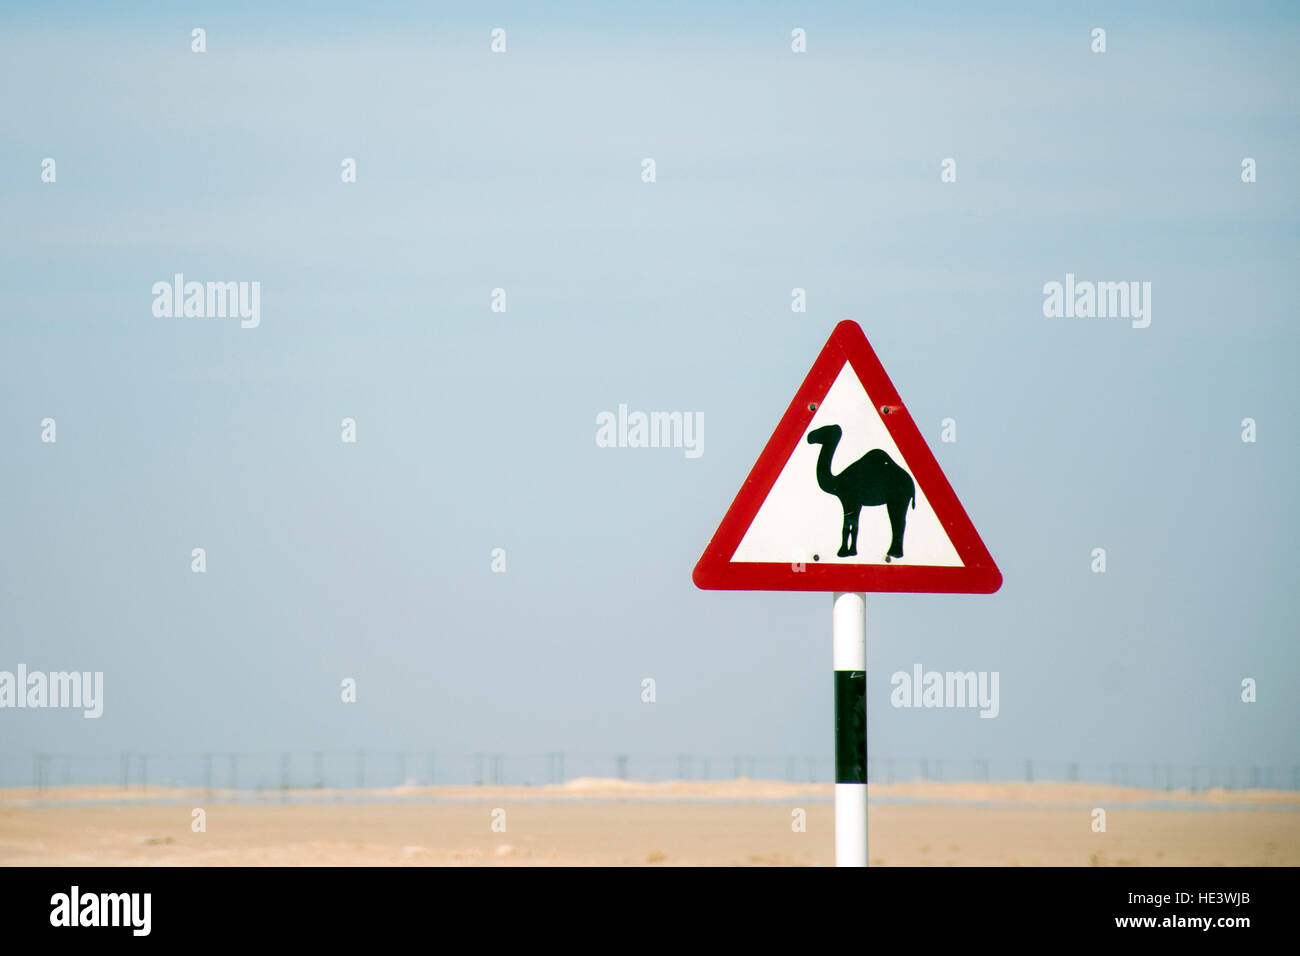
<point>850,662</point>
<point>847,497</point>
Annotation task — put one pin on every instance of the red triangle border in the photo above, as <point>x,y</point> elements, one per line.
<point>716,571</point>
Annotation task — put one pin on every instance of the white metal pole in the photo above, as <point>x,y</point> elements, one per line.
<point>849,659</point>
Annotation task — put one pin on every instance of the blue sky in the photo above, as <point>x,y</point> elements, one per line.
<point>476,429</point>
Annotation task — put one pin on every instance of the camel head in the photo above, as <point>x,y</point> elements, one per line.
<point>826,435</point>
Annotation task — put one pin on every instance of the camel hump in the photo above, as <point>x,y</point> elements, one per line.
<point>878,457</point>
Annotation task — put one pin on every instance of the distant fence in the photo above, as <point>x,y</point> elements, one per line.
<point>284,770</point>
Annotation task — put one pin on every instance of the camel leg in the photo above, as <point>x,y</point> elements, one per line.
<point>897,525</point>
<point>849,538</point>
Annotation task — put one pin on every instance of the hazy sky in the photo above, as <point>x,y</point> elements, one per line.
<point>476,429</point>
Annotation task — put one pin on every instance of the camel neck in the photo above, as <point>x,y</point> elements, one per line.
<point>825,480</point>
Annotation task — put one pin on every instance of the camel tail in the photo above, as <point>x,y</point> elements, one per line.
<point>914,497</point>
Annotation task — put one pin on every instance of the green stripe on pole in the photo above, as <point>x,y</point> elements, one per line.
<point>850,727</point>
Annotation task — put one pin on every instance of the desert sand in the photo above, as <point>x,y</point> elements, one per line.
<point>619,823</point>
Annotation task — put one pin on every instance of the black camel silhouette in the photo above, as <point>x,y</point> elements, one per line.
<point>873,479</point>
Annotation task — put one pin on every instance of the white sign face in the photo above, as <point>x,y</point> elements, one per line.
<point>804,518</point>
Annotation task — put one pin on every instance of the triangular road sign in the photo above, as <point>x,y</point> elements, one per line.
<point>847,496</point>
